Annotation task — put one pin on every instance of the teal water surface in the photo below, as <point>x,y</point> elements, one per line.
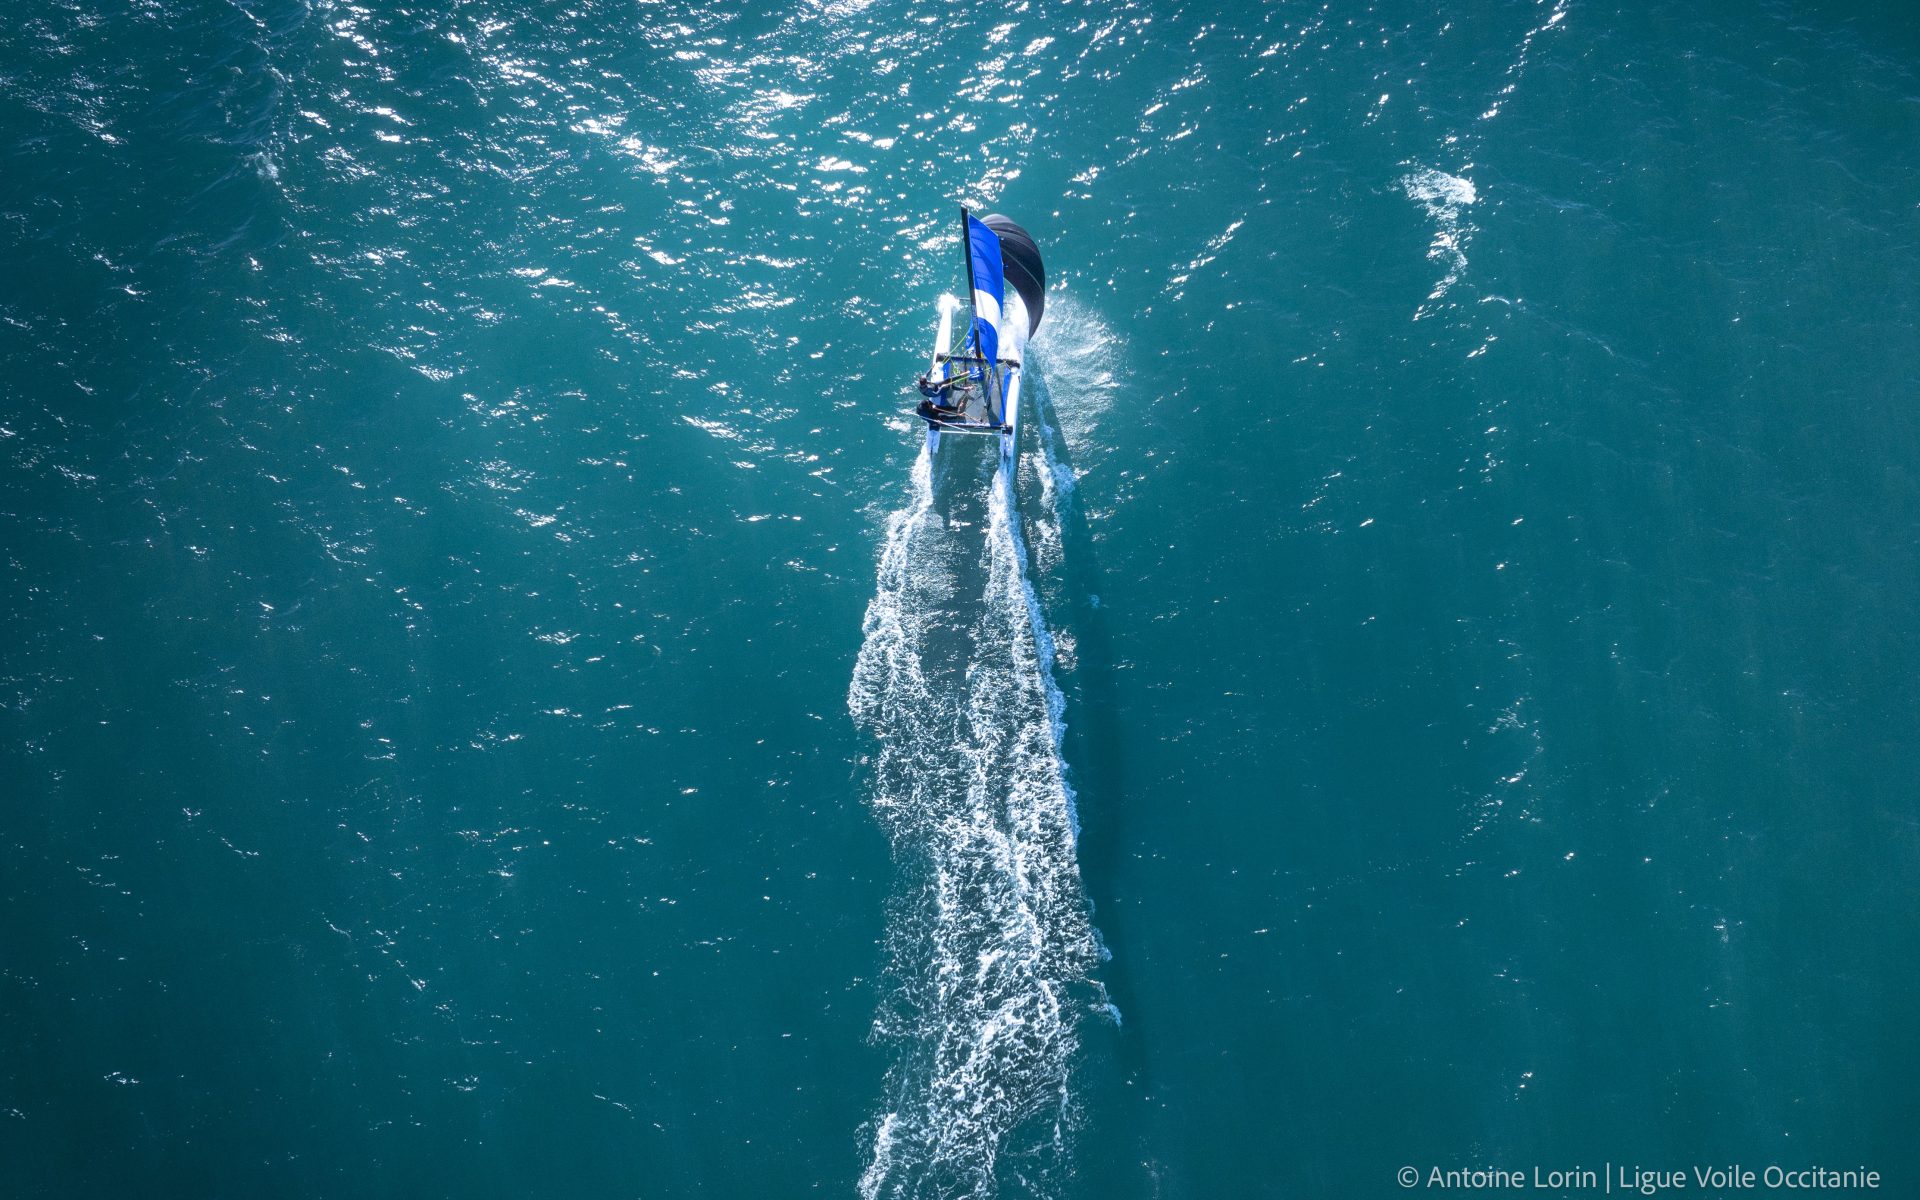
<point>492,705</point>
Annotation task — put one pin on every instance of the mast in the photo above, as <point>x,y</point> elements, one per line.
<point>973,306</point>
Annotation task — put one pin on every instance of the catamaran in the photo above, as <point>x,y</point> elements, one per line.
<point>975,389</point>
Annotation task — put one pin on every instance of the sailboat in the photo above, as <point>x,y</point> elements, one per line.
<point>975,388</point>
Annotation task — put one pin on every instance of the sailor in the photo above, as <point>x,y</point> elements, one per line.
<point>939,405</point>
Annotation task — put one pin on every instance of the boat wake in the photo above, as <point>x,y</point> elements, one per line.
<point>989,938</point>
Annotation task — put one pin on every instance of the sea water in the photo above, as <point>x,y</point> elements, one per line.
<point>494,704</point>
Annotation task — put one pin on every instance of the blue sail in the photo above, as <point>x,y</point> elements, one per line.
<point>987,274</point>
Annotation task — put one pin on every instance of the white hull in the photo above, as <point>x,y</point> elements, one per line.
<point>1013,345</point>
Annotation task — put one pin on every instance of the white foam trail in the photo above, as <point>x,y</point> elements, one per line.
<point>1446,199</point>
<point>1078,349</point>
<point>989,933</point>
<point>1076,346</point>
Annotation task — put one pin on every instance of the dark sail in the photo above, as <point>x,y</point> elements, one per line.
<point>1024,270</point>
